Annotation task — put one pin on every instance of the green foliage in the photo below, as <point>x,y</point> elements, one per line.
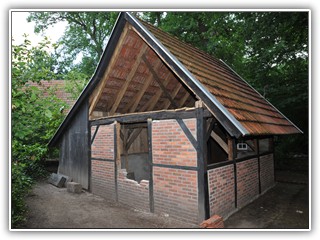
<point>85,36</point>
<point>35,118</point>
<point>20,184</point>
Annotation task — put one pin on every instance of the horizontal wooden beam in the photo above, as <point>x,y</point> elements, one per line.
<point>182,113</point>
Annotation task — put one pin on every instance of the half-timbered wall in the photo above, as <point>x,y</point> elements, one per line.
<point>229,191</point>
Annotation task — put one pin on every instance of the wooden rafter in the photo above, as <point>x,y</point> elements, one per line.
<point>167,102</point>
<point>155,98</point>
<point>98,91</point>
<point>136,100</point>
<point>158,80</point>
<point>128,80</point>
<point>184,99</point>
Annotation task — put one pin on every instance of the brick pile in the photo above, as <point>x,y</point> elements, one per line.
<point>213,222</point>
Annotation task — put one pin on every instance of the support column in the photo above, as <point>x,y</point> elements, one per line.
<point>117,160</point>
<point>257,152</point>
<point>203,201</point>
<point>150,160</point>
<point>232,155</point>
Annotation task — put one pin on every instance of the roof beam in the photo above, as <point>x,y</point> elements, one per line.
<point>98,91</point>
<point>142,91</point>
<point>163,88</point>
<point>167,102</point>
<point>128,80</point>
<point>153,101</point>
<point>184,98</point>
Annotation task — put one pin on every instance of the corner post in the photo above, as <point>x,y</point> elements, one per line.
<point>117,153</point>
<point>203,209</point>
<point>151,199</point>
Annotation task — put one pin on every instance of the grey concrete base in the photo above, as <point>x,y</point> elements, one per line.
<point>74,187</point>
<point>68,179</point>
<point>57,180</point>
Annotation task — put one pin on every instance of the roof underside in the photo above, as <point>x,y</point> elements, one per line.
<point>132,82</point>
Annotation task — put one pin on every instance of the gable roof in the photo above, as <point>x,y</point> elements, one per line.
<point>234,103</point>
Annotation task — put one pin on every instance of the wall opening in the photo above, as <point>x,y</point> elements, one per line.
<point>134,151</point>
<point>216,145</point>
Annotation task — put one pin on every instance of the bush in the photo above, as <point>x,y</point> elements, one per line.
<point>20,185</point>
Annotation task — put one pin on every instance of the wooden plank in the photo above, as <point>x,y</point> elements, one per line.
<point>128,80</point>
<point>163,88</point>
<point>230,149</point>
<point>203,209</point>
<point>98,91</point>
<point>133,137</point>
<point>150,160</point>
<point>153,101</point>
<point>219,140</point>
<point>140,94</point>
<point>117,156</point>
<point>155,115</point>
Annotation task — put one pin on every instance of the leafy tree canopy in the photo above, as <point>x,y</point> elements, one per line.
<point>85,37</point>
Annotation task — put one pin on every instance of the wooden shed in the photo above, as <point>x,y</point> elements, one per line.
<point>166,128</point>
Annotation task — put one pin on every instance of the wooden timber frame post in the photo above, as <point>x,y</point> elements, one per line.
<point>117,154</point>
<point>203,196</point>
<point>257,152</point>
<point>151,199</point>
<point>232,155</point>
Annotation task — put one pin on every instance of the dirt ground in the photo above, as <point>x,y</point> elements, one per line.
<point>285,206</point>
<point>55,208</point>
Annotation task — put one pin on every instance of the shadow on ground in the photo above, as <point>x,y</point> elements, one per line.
<point>286,206</point>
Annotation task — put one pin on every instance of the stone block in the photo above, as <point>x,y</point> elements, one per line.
<point>57,180</point>
<point>74,187</point>
<point>68,179</point>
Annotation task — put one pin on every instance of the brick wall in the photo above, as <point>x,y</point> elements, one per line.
<point>103,144</point>
<point>133,193</point>
<point>175,190</point>
<point>266,172</point>
<point>247,181</point>
<point>102,172</point>
<point>221,190</point>
<point>102,179</point>
<point>170,145</point>
<point>221,184</point>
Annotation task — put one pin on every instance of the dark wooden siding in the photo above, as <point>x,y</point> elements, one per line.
<point>74,158</point>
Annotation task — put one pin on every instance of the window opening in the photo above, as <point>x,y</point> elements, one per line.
<point>134,152</point>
